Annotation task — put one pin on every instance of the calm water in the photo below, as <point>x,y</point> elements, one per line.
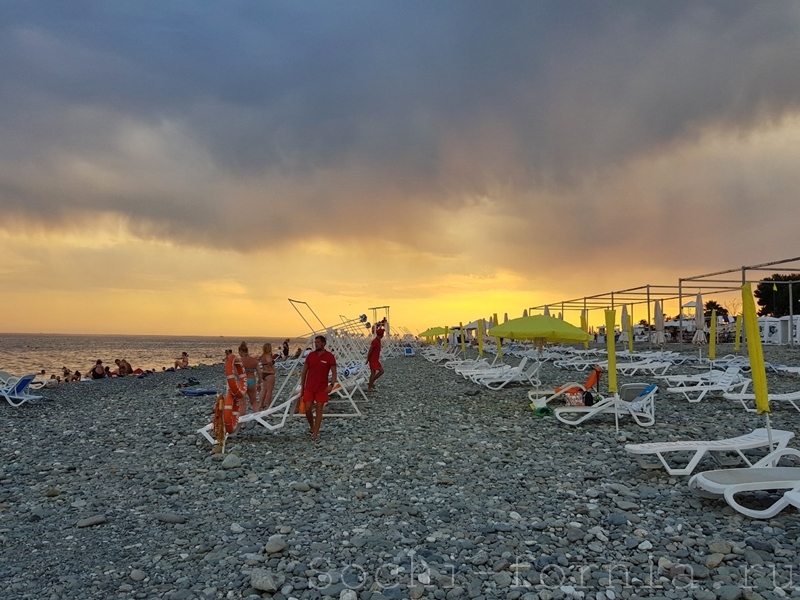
<point>30,353</point>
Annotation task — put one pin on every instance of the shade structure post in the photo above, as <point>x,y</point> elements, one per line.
<point>611,317</point>
<point>463,337</point>
<point>712,336</point>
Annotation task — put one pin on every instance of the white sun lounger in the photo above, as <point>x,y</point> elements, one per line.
<point>652,367</point>
<point>762,476</point>
<point>755,439</point>
<point>727,383</point>
<point>747,399</point>
<point>14,390</point>
<point>641,409</point>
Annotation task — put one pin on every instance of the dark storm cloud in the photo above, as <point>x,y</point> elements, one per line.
<point>358,108</point>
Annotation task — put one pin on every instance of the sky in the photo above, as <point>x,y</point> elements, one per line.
<point>185,168</point>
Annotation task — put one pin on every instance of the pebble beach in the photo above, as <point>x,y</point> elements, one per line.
<point>443,490</point>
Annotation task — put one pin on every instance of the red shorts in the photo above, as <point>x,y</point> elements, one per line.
<point>320,397</point>
<point>375,365</point>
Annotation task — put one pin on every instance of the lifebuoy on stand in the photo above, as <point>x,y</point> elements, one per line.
<point>226,413</point>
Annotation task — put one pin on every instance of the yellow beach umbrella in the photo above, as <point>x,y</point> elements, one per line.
<point>432,332</point>
<point>754,351</point>
<point>630,333</point>
<point>712,336</point>
<point>585,327</point>
<point>497,340</point>
<point>539,327</point>
<point>481,326</point>
<point>611,316</point>
<point>737,341</point>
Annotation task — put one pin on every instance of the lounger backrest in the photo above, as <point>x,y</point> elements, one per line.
<point>594,377</point>
<point>23,383</point>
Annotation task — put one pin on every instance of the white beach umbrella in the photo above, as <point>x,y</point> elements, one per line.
<point>546,311</point>
<point>623,334</point>
<point>660,338</point>
<point>699,322</point>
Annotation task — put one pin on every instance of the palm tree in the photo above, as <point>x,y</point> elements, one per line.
<point>714,305</point>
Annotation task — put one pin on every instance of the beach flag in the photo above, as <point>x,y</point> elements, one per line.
<point>774,287</point>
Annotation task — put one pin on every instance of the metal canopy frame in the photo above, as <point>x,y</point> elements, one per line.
<point>687,286</point>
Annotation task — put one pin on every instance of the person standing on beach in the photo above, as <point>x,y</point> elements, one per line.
<point>286,349</point>
<point>253,372</point>
<point>374,360</point>
<point>314,384</point>
<point>267,377</point>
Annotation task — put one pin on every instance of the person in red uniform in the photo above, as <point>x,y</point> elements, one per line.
<point>314,384</point>
<point>374,360</point>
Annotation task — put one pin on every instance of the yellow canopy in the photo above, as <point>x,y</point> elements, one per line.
<point>539,327</point>
<point>432,332</point>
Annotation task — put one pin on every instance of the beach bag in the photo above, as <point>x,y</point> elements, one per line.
<point>573,398</point>
<point>588,399</point>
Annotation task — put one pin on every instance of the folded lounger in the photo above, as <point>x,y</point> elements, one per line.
<point>755,439</point>
<point>194,392</point>
<point>761,477</point>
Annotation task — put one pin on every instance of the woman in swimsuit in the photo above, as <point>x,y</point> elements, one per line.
<point>253,372</point>
<point>268,376</point>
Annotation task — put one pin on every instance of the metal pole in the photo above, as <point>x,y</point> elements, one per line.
<point>680,310</point>
<point>791,317</point>
<point>649,332</point>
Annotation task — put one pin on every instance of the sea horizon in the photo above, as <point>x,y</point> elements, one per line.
<point>22,353</point>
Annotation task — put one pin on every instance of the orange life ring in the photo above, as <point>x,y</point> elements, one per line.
<point>237,388</point>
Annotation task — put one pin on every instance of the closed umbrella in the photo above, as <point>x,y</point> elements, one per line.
<point>525,313</point>
<point>463,338</point>
<point>446,335</point>
<point>611,316</point>
<point>756,355</point>
<point>630,332</point>
<point>497,339</point>
<point>737,341</point>
<point>546,311</point>
<point>699,337</point>
<point>623,325</point>
<point>481,326</point>
<point>585,327</point>
<point>505,317</point>
<point>660,338</point>
<point>712,336</point>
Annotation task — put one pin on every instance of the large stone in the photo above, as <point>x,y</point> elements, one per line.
<point>170,518</point>
<point>231,462</point>
<point>263,580</point>
<point>91,521</point>
<point>275,544</point>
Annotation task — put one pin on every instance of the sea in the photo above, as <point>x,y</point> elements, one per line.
<point>22,353</point>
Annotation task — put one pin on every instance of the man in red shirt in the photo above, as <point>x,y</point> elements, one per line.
<point>314,385</point>
<point>374,360</point>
